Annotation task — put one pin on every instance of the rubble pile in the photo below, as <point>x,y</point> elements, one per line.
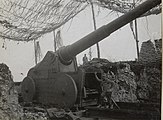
<point>149,85</point>
<point>95,63</point>
<point>131,84</point>
<point>9,106</point>
<point>125,87</point>
<point>63,114</point>
<point>5,73</point>
<point>150,52</point>
<point>158,46</point>
<point>149,82</point>
<point>34,113</point>
<point>123,77</point>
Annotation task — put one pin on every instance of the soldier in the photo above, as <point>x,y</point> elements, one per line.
<point>107,88</point>
<point>85,59</point>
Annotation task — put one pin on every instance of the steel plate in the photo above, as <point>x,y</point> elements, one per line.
<point>28,89</point>
<point>63,91</point>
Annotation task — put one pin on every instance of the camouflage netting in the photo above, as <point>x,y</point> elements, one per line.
<point>124,6</point>
<point>27,20</point>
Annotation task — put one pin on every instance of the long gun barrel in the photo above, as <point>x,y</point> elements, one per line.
<point>68,52</point>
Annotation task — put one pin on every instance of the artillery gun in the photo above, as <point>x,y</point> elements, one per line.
<point>57,80</point>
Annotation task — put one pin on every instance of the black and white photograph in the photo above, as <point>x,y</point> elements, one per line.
<point>80,59</point>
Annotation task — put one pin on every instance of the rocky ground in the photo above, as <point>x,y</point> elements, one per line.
<point>9,106</point>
